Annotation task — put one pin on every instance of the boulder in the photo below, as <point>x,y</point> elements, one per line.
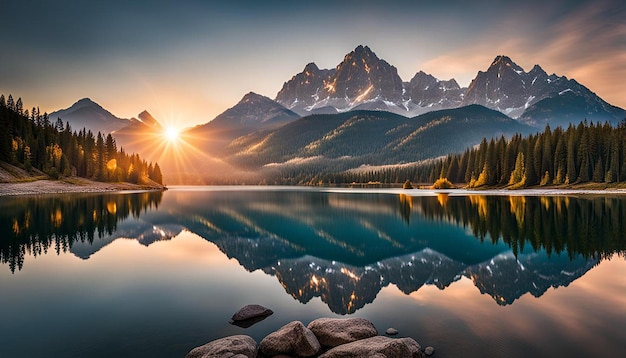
<point>239,346</point>
<point>332,332</point>
<point>414,347</point>
<point>379,347</point>
<point>291,339</point>
<point>429,351</point>
<point>251,312</point>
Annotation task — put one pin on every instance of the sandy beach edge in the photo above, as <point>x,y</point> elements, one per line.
<point>72,185</point>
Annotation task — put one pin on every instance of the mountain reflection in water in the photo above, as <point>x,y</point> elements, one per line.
<point>342,247</point>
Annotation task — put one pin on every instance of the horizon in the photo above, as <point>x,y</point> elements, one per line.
<point>187,63</point>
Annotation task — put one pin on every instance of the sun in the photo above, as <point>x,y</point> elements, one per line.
<point>171,134</point>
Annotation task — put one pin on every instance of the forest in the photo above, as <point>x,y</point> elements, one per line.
<point>588,152</point>
<point>32,141</point>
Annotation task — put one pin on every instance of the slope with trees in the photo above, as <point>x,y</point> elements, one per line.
<point>29,140</point>
<point>586,153</point>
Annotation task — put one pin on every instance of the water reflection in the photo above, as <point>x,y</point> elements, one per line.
<point>33,225</point>
<point>591,226</point>
<point>343,247</point>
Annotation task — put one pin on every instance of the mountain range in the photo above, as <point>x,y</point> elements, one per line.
<point>361,113</point>
<point>86,113</point>
<point>363,81</point>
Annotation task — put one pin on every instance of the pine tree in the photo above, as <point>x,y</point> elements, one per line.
<point>157,176</point>
<point>518,175</point>
<point>560,162</point>
<point>100,158</point>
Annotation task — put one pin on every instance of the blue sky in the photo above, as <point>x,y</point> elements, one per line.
<point>188,61</point>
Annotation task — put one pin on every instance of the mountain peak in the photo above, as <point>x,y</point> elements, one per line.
<point>252,97</point>
<point>85,113</point>
<point>362,53</point>
<point>502,61</point>
<point>501,58</point>
<point>147,119</point>
<point>252,113</point>
<point>311,67</point>
<point>85,102</point>
<point>362,77</point>
<point>362,49</point>
<point>537,70</point>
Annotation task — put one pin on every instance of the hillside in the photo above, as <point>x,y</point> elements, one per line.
<point>359,138</point>
<point>33,145</point>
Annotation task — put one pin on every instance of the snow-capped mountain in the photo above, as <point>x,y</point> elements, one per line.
<point>506,87</point>
<point>301,94</point>
<point>362,81</point>
<point>426,91</point>
<point>88,114</point>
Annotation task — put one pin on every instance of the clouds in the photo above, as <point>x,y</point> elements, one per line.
<point>202,57</point>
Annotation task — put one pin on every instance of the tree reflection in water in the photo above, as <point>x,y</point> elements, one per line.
<point>38,223</point>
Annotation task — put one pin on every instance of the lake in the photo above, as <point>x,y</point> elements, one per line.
<point>157,274</point>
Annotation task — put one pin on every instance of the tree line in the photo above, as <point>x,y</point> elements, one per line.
<point>31,141</point>
<point>588,152</point>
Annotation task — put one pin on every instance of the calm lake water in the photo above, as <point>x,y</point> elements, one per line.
<point>157,274</point>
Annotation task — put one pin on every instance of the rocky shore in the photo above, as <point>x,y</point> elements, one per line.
<point>322,338</point>
<point>73,185</point>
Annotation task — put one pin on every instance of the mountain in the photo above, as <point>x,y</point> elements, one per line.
<point>362,81</point>
<point>358,138</point>
<point>571,107</point>
<point>148,120</point>
<point>506,87</point>
<point>253,112</point>
<point>426,91</point>
<point>142,132</point>
<point>301,93</point>
<point>88,114</point>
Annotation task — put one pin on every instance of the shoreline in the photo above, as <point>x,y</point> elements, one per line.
<point>82,185</point>
<point>69,185</point>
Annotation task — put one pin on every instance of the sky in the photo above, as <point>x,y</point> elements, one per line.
<point>188,61</point>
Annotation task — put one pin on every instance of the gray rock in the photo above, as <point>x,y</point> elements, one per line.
<point>332,332</point>
<point>250,312</point>
<point>379,347</point>
<point>414,347</point>
<point>391,331</point>
<point>240,346</point>
<point>429,351</point>
<point>291,339</point>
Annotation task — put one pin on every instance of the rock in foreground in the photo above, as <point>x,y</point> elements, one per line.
<point>379,347</point>
<point>234,346</point>
<point>332,332</point>
<point>346,338</point>
<point>291,339</point>
<point>250,312</point>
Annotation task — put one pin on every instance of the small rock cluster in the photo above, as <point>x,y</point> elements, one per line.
<point>322,338</point>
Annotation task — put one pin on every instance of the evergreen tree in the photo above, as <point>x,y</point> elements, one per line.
<point>157,176</point>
